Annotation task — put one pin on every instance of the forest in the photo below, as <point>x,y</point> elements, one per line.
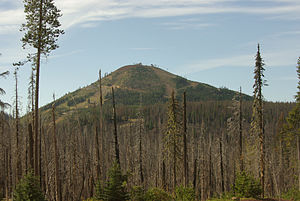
<point>143,134</point>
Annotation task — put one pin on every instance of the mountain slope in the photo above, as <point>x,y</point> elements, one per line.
<point>135,83</point>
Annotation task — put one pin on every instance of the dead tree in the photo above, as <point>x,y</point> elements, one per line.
<point>117,152</point>
<point>56,157</point>
<point>185,163</point>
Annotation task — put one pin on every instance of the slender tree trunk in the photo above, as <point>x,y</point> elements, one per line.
<point>37,79</point>
<point>18,160</point>
<point>241,133</point>
<point>174,163</point>
<point>117,152</point>
<point>101,121</point>
<point>40,151</point>
<point>262,151</point>
<point>97,154</point>
<point>298,149</point>
<point>195,174</point>
<point>210,169</point>
<point>56,158</point>
<point>140,154</point>
<point>221,166</point>
<point>164,182</point>
<point>30,136</point>
<point>185,163</point>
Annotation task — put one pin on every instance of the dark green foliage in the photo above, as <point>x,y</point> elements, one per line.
<point>137,193</point>
<point>157,194</point>
<point>184,193</point>
<point>28,189</point>
<point>115,188</point>
<point>180,82</point>
<point>132,97</point>
<point>204,92</point>
<point>46,36</point>
<point>247,186</point>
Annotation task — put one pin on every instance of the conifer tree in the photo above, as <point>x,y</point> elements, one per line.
<point>292,126</point>
<point>28,189</point>
<point>257,124</point>
<point>115,188</point>
<point>41,32</point>
<point>173,137</point>
<point>117,150</point>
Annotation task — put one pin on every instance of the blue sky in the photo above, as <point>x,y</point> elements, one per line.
<point>210,41</point>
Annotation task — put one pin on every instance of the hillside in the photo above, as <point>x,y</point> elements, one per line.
<point>135,83</point>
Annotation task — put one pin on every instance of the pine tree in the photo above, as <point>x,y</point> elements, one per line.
<point>292,126</point>
<point>41,32</point>
<point>117,150</point>
<point>173,137</point>
<point>257,124</point>
<point>115,189</point>
<point>28,189</point>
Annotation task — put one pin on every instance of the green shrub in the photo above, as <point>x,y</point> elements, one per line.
<point>115,188</point>
<point>28,189</point>
<point>137,193</point>
<point>184,193</point>
<point>157,194</point>
<point>247,186</point>
<point>292,194</point>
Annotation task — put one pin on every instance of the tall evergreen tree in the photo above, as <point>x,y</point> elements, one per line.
<point>257,124</point>
<point>292,126</point>
<point>173,137</point>
<point>41,32</point>
<point>115,188</point>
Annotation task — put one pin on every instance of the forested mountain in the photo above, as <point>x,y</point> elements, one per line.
<point>81,143</point>
<point>139,84</point>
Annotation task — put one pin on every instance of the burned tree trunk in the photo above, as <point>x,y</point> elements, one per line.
<point>117,152</point>
<point>56,157</point>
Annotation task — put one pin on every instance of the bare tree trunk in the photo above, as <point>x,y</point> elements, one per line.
<point>97,154</point>
<point>30,135</point>
<point>140,154</point>
<point>195,174</point>
<point>117,152</point>
<point>18,160</point>
<point>298,149</point>
<point>210,168</point>
<point>56,156</point>
<point>221,166</point>
<point>40,152</point>
<point>185,163</point>
<point>38,62</point>
<point>164,182</point>
<point>100,123</point>
<point>241,133</point>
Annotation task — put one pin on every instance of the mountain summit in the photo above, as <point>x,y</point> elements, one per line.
<point>140,83</point>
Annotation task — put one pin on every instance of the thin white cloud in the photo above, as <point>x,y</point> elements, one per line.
<point>87,12</point>
<point>271,59</point>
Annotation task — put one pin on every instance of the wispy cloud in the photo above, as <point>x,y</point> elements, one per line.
<point>67,54</point>
<point>87,12</point>
<point>271,59</point>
